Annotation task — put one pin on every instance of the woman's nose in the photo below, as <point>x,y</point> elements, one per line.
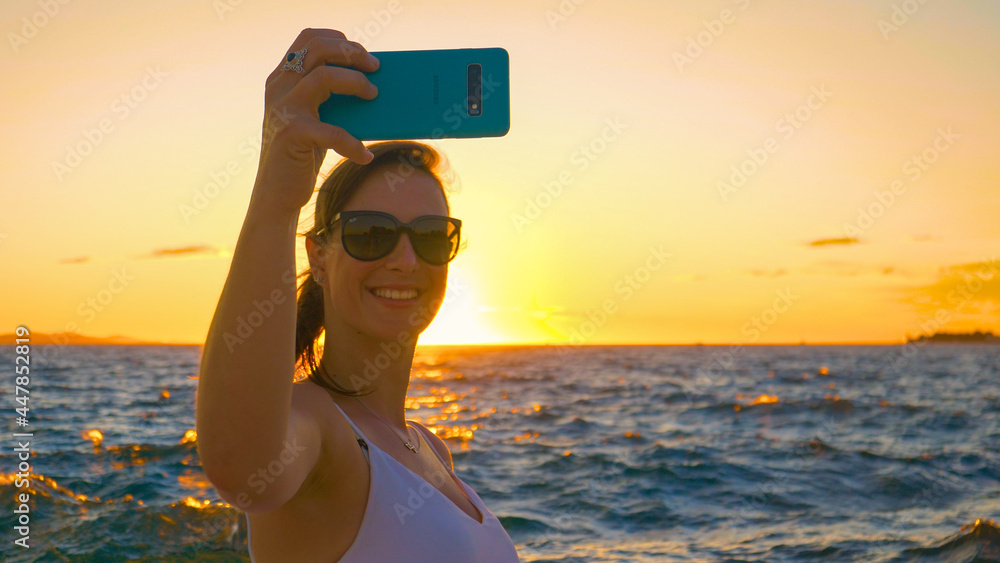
<point>403,256</point>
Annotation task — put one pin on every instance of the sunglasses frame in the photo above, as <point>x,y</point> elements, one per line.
<point>400,228</point>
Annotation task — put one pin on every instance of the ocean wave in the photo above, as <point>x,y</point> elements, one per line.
<point>978,542</point>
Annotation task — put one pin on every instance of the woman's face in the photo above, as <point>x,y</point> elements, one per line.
<point>349,283</point>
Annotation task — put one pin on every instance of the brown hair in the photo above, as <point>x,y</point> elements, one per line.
<point>399,158</point>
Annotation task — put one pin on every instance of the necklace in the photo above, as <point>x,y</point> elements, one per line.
<point>405,442</point>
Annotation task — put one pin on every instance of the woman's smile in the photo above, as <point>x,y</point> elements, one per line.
<point>395,298</point>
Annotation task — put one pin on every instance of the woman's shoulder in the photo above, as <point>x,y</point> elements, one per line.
<point>341,460</point>
<point>335,431</point>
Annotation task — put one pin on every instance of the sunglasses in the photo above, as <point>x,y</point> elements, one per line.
<point>370,235</point>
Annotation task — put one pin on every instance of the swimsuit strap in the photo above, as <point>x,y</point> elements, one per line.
<point>357,433</point>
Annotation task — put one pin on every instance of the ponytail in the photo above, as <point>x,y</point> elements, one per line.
<point>308,327</point>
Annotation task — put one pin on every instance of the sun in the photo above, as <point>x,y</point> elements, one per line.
<point>460,319</point>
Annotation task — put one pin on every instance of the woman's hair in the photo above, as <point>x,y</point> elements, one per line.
<point>396,160</point>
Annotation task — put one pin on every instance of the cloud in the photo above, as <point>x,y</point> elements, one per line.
<point>981,270</point>
<point>77,260</point>
<point>184,252</point>
<point>827,268</point>
<point>833,241</point>
<point>196,251</point>
<point>962,289</point>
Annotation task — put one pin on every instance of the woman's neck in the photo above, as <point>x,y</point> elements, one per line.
<point>364,364</point>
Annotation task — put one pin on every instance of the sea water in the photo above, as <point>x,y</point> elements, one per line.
<point>596,453</point>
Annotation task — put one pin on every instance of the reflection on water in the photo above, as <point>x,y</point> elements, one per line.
<point>594,454</point>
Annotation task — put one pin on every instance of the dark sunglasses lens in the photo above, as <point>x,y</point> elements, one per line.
<point>369,237</point>
<point>435,240</point>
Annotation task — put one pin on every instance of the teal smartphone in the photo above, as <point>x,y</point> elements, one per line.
<point>430,94</point>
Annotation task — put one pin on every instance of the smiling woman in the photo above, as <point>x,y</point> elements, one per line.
<point>351,481</point>
<point>406,174</point>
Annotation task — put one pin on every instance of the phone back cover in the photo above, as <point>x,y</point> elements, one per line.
<point>423,95</point>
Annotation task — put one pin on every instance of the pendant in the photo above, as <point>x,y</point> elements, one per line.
<point>412,449</point>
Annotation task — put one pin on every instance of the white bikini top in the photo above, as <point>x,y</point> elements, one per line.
<point>409,520</point>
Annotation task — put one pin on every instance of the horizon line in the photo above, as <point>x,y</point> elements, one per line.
<point>128,341</point>
<point>519,344</point>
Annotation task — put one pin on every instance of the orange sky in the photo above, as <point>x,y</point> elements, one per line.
<point>723,171</point>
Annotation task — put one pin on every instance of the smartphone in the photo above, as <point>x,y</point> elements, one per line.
<point>429,94</point>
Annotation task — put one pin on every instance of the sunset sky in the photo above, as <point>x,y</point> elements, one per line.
<point>732,171</point>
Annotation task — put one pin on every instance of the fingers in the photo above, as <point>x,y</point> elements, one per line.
<point>326,136</point>
<point>298,96</point>
<point>329,47</point>
<point>302,41</point>
<point>323,50</point>
<point>317,86</point>
<point>341,52</point>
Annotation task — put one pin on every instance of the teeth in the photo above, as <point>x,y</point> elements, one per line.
<point>395,294</point>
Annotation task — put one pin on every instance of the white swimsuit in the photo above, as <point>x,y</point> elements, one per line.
<point>409,520</point>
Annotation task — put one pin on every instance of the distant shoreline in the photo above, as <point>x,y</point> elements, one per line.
<point>76,339</point>
<point>956,338</point>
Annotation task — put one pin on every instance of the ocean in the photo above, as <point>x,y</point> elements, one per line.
<point>585,454</point>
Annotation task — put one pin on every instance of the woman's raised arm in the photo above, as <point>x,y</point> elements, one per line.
<point>246,421</point>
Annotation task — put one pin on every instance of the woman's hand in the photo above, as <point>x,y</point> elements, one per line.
<point>294,140</point>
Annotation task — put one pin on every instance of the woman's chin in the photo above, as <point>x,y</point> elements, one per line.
<point>400,332</point>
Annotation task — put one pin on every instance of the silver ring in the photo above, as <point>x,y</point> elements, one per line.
<point>294,61</point>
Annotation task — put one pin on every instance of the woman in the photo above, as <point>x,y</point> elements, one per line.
<point>327,468</point>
